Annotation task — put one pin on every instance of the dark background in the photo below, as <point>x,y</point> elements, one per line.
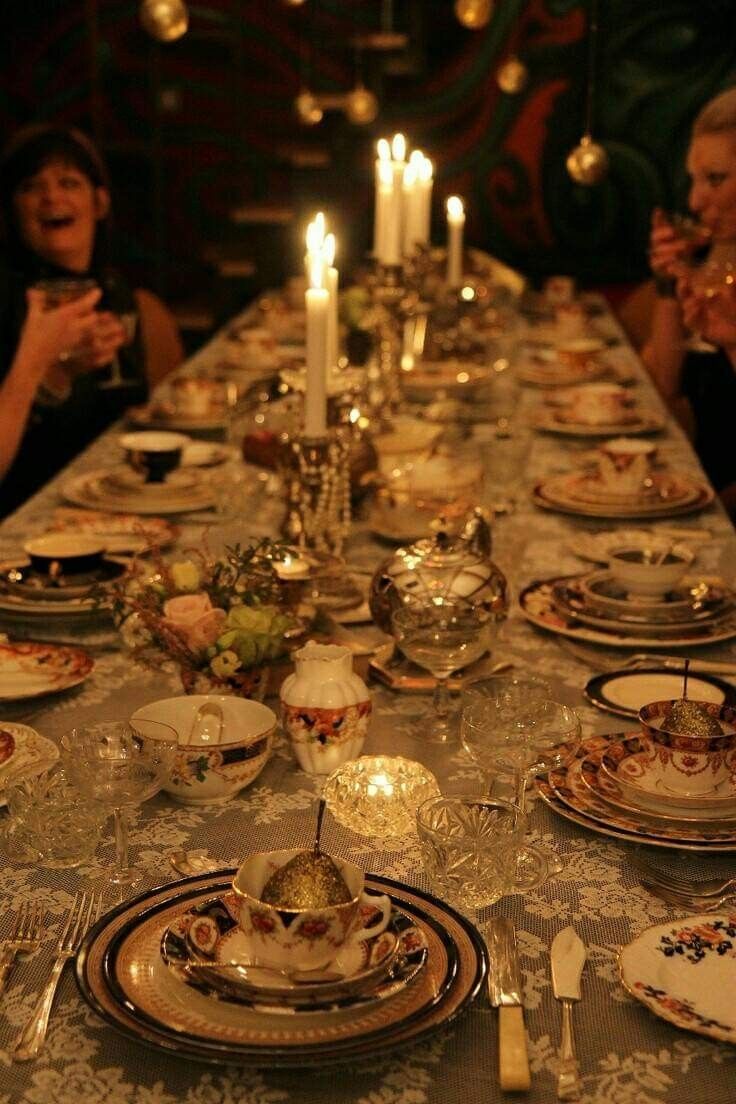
<point>215,178</point>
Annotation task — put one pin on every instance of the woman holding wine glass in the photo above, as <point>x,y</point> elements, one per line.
<point>69,364</point>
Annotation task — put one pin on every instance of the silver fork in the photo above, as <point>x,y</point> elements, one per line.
<point>25,938</point>
<point>84,911</point>
<point>694,887</point>
<point>689,900</point>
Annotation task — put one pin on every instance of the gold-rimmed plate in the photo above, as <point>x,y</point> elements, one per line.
<point>550,420</point>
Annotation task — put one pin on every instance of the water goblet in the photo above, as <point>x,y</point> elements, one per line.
<point>442,636</point>
<point>109,763</point>
<point>471,847</point>
<point>515,691</point>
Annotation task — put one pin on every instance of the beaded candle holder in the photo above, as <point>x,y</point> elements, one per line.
<point>318,515</point>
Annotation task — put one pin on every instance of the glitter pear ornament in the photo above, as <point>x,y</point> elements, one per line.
<point>309,880</point>
<point>587,164</point>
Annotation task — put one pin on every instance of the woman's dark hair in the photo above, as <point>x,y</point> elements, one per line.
<point>29,151</point>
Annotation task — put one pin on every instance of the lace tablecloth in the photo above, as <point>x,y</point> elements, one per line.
<point>628,1056</point>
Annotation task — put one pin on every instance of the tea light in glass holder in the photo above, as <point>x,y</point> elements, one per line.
<point>292,566</point>
<point>378,795</point>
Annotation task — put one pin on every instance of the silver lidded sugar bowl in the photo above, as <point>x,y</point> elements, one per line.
<point>445,565</point>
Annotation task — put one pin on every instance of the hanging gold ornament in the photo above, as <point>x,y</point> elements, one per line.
<point>165,20</point>
<point>512,76</point>
<point>361,106</point>
<point>307,108</point>
<point>474,14</point>
<point>588,162</point>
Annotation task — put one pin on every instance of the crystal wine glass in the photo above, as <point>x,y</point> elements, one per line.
<point>111,764</point>
<point>515,691</point>
<point>129,322</point>
<point>442,636</point>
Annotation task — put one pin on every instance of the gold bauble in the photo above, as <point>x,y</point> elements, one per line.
<point>165,20</point>
<point>588,162</point>
<point>361,106</point>
<point>473,14</point>
<point>512,76</point>
<point>307,108</point>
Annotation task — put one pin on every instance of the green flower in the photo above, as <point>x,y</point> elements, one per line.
<point>225,664</point>
<point>185,575</point>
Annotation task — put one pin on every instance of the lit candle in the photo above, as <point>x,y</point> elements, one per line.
<point>455,224</point>
<point>315,241</point>
<point>391,243</point>
<point>317,303</point>
<point>424,194</point>
<point>291,567</point>
<point>410,197</point>
<point>331,282</point>
<point>379,213</point>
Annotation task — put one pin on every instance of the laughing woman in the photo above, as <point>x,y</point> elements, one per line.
<point>68,366</point>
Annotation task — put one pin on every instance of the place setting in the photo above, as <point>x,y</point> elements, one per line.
<point>187,404</point>
<point>564,364</point>
<point>622,479</point>
<point>596,410</point>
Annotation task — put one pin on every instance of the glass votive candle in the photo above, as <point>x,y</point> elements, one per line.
<point>471,849</point>
<point>378,795</point>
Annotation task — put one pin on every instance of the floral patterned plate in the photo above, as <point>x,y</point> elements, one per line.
<point>121,532</point>
<point>122,976</point>
<point>93,490</point>
<point>31,670</point>
<point>32,754</point>
<point>685,972</point>
<point>209,933</point>
<point>550,420</point>
<point>569,494</point>
<point>538,606</point>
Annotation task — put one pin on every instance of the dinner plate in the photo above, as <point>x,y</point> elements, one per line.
<point>543,368</point>
<point>374,969</point>
<point>570,599</point>
<point>92,490</point>
<point>643,421</point>
<point>166,416</point>
<point>538,606</point>
<point>684,971</point>
<point>555,494</point>
<point>625,692</point>
<point>628,772</point>
<point>664,490</point>
<point>30,670</point>
<point>569,787</point>
<point>120,532</point>
<point>122,976</point>
<point>31,754</point>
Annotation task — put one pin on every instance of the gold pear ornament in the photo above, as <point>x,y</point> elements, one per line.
<point>309,880</point>
<point>587,163</point>
<point>690,718</point>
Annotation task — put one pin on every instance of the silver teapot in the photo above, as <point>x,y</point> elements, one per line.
<point>445,564</point>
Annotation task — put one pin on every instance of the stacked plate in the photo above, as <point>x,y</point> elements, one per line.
<point>121,488</point>
<point>666,494</point>
<point>595,608</point>
<point>616,787</point>
<point>33,594</point>
<point>562,420</point>
<point>154,969</point>
<point>545,368</point>
<point>118,532</point>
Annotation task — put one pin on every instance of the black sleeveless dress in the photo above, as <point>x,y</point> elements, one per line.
<point>709,382</point>
<point>56,433</point>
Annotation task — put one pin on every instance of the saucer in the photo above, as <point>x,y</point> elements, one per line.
<point>641,421</point>
<point>637,778</point>
<point>20,578</point>
<point>373,969</point>
<point>685,603</point>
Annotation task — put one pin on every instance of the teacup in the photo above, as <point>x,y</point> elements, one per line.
<point>625,463</point>
<point>579,352</point>
<point>72,553</point>
<point>305,939</point>
<point>599,403</point>
<point>194,398</point>
<point>648,572</point>
<point>691,765</point>
<point>154,454</point>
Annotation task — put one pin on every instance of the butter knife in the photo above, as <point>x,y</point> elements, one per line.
<point>504,991</point>
<point>567,956</point>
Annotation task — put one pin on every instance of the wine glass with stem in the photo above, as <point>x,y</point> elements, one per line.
<point>129,322</point>
<point>112,765</point>
<point>523,738</point>
<point>442,635</point>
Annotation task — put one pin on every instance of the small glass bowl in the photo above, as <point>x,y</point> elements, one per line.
<point>378,795</point>
<point>51,823</point>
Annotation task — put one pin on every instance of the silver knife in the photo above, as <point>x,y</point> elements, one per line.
<point>504,991</point>
<point>567,957</point>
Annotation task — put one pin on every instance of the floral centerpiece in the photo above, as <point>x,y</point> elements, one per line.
<point>220,620</point>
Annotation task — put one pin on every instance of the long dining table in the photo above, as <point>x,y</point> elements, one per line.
<point>627,1055</point>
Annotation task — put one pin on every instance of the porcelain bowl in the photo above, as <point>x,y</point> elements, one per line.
<point>649,572</point>
<point>205,773</point>
<point>153,452</point>
<point>75,553</point>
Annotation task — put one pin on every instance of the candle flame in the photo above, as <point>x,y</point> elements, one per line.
<point>316,233</point>
<point>384,149</point>
<point>328,249</point>
<point>454,206</point>
<point>416,158</point>
<point>426,169</point>
<point>398,147</point>
<point>316,272</point>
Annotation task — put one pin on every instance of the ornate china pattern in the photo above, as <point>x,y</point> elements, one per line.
<point>122,532</point>
<point>573,598</point>
<point>32,754</point>
<point>597,547</point>
<point>122,976</point>
<point>691,600</point>
<point>629,771</point>
<point>685,972</point>
<point>691,765</point>
<point>642,420</point>
<point>542,367</point>
<point>21,579</point>
<point>568,787</point>
<point>30,670</point>
<point>624,692</point>
<point>166,416</point>
<point>573,493</point>
<point>538,606</point>
<point>93,490</point>
<point>209,932</point>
